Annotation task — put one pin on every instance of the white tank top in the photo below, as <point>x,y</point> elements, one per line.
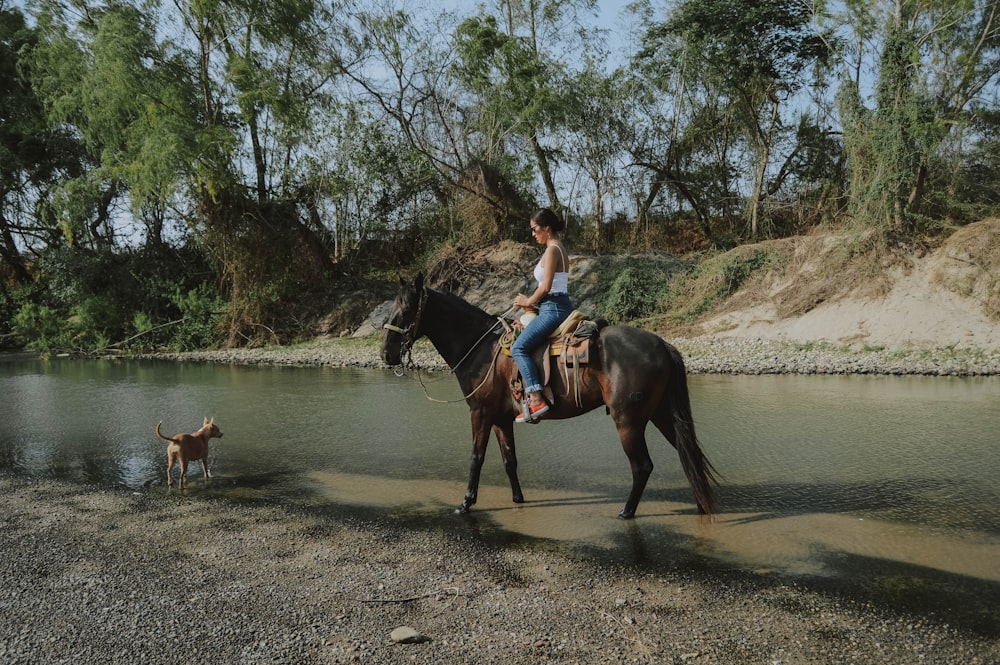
<point>560,280</point>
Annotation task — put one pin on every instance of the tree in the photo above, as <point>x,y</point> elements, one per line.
<point>511,62</point>
<point>408,90</point>
<point>934,64</point>
<point>261,89</point>
<point>455,156</point>
<point>750,58</point>
<point>596,120</point>
<point>32,152</point>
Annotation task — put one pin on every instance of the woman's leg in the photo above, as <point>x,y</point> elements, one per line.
<point>551,313</point>
<point>533,336</point>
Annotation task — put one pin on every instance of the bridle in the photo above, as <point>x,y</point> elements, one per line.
<point>408,337</point>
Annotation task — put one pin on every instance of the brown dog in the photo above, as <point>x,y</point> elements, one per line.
<point>188,447</point>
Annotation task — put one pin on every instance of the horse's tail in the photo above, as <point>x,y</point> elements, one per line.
<point>699,471</point>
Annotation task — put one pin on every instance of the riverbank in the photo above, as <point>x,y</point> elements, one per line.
<point>702,355</point>
<point>108,576</point>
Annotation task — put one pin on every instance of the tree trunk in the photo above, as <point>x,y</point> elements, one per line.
<point>546,172</point>
<point>759,193</point>
<point>11,255</point>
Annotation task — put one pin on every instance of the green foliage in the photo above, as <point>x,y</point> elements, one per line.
<point>142,324</point>
<point>78,308</point>
<point>39,327</point>
<point>89,325</point>
<point>687,296</point>
<point>91,300</point>
<point>94,321</point>
<point>749,44</point>
<point>73,274</point>
<point>634,292</point>
<point>201,310</point>
<point>737,270</point>
<point>713,280</point>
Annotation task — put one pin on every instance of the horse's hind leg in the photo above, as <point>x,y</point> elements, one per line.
<point>634,444</point>
<point>480,438</point>
<point>505,437</point>
<point>665,423</point>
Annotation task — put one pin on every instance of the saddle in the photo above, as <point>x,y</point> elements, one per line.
<point>570,345</point>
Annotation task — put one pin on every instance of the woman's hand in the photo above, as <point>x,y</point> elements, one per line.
<point>521,300</point>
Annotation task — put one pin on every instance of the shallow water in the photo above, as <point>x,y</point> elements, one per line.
<point>887,486</point>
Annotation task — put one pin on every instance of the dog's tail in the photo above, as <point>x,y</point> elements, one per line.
<point>165,438</point>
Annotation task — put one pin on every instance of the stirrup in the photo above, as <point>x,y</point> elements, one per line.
<point>529,414</point>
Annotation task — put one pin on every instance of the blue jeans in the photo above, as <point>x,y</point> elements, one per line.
<point>553,309</point>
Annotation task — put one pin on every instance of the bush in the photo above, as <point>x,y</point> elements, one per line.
<point>94,321</point>
<point>39,328</point>
<point>201,309</point>
<point>713,280</point>
<point>738,269</point>
<point>86,300</point>
<point>634,293</point>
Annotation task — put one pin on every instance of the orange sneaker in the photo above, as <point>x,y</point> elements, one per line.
<point>531,413</point>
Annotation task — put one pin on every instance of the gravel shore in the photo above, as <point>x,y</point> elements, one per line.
<point>98,576</point>
<point>702,355</point>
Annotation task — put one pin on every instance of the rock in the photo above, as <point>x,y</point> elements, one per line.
<point>373,324</point>
<point>407,635</point>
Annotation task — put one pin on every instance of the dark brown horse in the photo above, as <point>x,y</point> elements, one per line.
<point>634,373</point>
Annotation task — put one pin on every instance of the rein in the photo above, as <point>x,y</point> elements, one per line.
<point>493,364</point>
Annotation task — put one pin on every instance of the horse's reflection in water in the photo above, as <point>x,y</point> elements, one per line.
<point>638,376</point>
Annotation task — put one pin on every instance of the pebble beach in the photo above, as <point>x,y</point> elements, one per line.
<point>95,575</point>
<point>702,355</point>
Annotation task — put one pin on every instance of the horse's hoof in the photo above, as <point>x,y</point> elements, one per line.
<point>462,510</point>
<point>625,515</point>
<point>518,498</point>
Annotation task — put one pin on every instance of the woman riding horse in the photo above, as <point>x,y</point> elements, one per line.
<point>551,299</point>
<point>636,375</point>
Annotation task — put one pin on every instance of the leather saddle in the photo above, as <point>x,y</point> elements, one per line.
<point>570,343</point>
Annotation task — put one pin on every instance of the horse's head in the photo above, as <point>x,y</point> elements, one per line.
<point>403,326</point>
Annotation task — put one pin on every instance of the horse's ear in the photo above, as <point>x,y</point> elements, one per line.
<point>402,282</point>
<point>418,284</point>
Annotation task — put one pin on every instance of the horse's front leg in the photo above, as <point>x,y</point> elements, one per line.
<point>505,436</point>
<point>480,439</point>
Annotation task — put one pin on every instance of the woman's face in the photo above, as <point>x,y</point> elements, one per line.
<point>541,233</point>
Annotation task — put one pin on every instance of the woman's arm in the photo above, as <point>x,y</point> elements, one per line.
<point>544,286</point>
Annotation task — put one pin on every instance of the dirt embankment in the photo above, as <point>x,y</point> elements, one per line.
<point>839,289</point>
<point>836,289</point>
<point>819,304</point>
<point>827,303</point>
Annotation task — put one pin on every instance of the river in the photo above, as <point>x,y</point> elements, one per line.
<point>886,487</point>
